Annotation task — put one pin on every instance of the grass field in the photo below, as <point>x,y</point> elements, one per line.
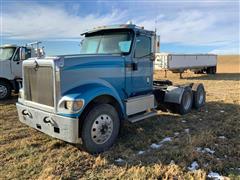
<point>26,153</point>
<point>228,64</point>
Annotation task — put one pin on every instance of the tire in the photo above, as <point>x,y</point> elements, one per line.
<point>199,95</point>
<point>186,102</point>
<point>5,90</point>
<point>214,70</point>
<point>100,128</point>
<point>209,70</point>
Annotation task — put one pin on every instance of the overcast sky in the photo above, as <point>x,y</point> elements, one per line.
<point>185,26</point>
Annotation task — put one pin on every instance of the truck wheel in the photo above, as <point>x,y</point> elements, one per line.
<point>186,102</point>
<point>5,90</point>
<point>100,128</point>
<point>199,95</point>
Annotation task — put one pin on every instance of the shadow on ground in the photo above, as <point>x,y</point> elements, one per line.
<point>11,100</point>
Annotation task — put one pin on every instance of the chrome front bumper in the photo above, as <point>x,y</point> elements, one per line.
<point>64,128</point>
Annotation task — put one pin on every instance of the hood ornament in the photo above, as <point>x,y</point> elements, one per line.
<point>36,65</point>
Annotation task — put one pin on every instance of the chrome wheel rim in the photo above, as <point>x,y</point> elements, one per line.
<point>102,129</point>
<point>187,101</point>
<point>3,91</point>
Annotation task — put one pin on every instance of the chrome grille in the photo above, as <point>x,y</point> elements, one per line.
<point>38,85</point>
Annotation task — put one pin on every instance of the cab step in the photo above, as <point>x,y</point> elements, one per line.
<point>140,117</point>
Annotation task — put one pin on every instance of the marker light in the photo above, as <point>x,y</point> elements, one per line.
<point>74,105</point>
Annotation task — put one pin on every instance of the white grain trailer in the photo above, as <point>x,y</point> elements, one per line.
<point>178,63</point>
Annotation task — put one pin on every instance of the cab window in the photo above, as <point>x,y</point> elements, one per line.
<point>143,46</point>
<point>27,54</point>
<point>16,57</point>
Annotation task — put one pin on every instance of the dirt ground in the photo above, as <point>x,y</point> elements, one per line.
<point>209,136</point>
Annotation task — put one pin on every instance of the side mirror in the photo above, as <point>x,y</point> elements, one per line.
<point>22,53</point>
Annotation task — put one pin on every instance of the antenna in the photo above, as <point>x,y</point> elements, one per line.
<point>156,26</point>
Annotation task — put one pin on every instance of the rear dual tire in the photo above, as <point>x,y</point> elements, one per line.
<point>194,97</point>
<point>199,95</point>
<point>186,102</point>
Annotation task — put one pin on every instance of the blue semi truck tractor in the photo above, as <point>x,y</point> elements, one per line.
<point>88,96</point>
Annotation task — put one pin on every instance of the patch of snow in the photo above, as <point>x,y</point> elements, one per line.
<point>206,111</point>
<point>183,121</point>
<point>205,165</point>
<point>200,119</point>
<point>194,166</point>
<point>215,176</point>
<point>176,133</point>
<point>119,160</point>
<point>222,111</point>
<point>199,149</point>
<point>140,152</point>
<point>205,150</point>
<point>172,162</point>
<point>186,130</point>
<point>209,150</point>
<point>221,137</point>
<point>166,139</point>
<point>155,146</point>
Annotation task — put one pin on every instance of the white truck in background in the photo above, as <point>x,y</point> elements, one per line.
<point>178,63</point>
<point>11,57</point>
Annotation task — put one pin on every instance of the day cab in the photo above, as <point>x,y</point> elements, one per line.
<point>88,96</point>
<point>11,58</point>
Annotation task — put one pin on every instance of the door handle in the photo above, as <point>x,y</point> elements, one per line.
<point>133,66</point>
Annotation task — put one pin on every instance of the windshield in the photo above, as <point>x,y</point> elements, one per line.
<point>6,53</point>
<point>111,43</point>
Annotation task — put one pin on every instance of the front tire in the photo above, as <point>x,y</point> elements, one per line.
<point>5,90</point>
<point>100,128</point>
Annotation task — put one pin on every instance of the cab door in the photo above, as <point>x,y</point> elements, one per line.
<point>16,65</point>
<point>142,66</point>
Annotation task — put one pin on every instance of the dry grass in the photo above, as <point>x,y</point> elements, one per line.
<point>228,64</point>
<point>28,154</point>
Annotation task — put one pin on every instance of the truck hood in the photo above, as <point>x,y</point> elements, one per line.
<point>85,61</point>
<point>79,70</point>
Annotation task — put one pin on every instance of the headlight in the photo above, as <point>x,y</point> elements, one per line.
<point>74,105</point>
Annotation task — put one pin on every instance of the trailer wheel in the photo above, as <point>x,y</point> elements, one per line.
<point>186,102</point>
<point>5,90</point>
<point>100,128</point>
<point>214,70</point>
<point>211,70</point>
<point>199,95</point>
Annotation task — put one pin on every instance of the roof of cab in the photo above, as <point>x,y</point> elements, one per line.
<point>8,45</point>
<point>119,26</point>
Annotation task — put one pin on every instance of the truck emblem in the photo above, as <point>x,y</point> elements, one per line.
<point>36,65</point>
